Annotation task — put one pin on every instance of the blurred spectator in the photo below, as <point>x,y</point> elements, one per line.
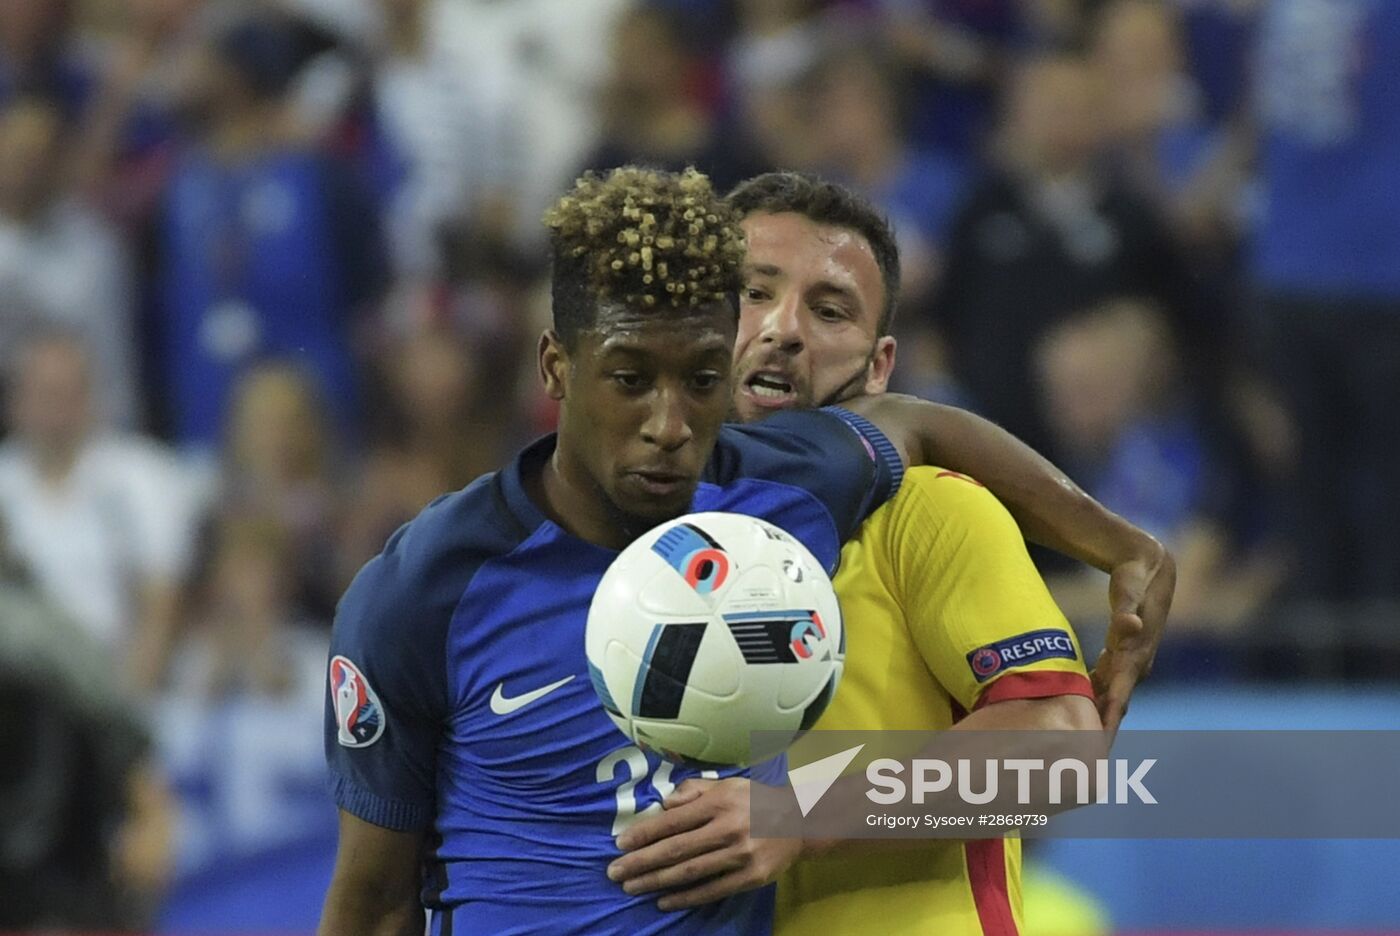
<point>440,144</point>
<point>280,463</point>
<point>265,247</point>
<point>85,818</point>
<point>651,113</point>
<point>122,149</point>
<point>956,53</point>
<point>774,37</point>
<point>60,264</point>
<point>436,440</point>
<point>38,55</point>
<point>547,62</point>
<point>1325,264</point>
<point>104,521</point>
<point>1155,120</point>
<point>247,641</point>
<point>860,144</point>
<point>1128,431</point>
<point>762,71</point>
<point>247,690</point>
<point>1044,234</point>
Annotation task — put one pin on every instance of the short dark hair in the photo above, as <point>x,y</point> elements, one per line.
<point>645,238</point>
<point>826,202</point>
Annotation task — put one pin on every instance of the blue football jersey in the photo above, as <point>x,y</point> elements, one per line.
<point>460,698</point>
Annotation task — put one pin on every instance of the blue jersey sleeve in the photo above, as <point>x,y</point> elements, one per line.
<point>388,684</point>
<point>838,456</point>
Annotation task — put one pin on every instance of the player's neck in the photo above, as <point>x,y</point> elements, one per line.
<point>567,499</point>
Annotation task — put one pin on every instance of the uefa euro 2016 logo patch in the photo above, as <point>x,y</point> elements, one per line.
<point>1028,648</point>
<point>358,714</point>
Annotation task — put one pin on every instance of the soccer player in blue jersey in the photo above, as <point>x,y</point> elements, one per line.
<point>476,773</point>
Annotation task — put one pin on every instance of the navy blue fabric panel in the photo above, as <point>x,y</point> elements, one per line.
<point>889,465</point>
<point>843,460</point>
<point>392,627</point>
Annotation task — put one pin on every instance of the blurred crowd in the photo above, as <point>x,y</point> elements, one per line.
<point>271,278</point>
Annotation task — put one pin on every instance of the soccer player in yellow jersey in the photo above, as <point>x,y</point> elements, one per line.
<point>940,597</point>
<point>938,588</point>
<point>942,601</point>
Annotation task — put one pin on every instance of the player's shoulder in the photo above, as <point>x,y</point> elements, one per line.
<point>942,491</point>
<point>427,563</point>
<point>956,506</point>
<point>473,522</point>
<point>791,431</point>
<point>791,440</point>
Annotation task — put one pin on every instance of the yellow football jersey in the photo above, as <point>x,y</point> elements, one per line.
<point>944,612</point>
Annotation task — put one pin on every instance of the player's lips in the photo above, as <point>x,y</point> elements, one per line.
<point>661,483</point>
<point>770,389</point>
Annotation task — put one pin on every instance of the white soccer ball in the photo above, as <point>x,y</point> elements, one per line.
<point>712,626</point>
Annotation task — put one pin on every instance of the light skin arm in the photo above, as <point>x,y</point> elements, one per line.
<point>142,852</point>
<point>700,848</point>
<point>156,634</point>
<point>1054,512</point>
<point>374,889</point>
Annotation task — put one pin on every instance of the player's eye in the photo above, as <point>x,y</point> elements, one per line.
<point>830,313</point>
<point>630,381</point>
<point>754,294</point>
<point>704,381</point>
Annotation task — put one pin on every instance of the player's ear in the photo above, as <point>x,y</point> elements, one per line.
<point>877,379</point>
<point>554,364</point>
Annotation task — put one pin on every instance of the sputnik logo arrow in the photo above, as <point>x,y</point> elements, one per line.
<point>811,781</point>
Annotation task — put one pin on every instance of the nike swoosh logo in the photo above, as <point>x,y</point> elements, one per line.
<point>503,706</point>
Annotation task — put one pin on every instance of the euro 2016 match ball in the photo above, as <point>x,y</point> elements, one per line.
<point>708,628</point>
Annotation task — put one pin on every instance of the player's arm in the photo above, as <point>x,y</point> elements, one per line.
<point>987,628</point>
<point>985,625</point>
<point>385,707</point>
<point>374,889</point>
<point>1055,713</point>
<point>1055,512</point>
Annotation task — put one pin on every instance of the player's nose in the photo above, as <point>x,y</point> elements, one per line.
<point>782,324</point>
<point>667,425</point>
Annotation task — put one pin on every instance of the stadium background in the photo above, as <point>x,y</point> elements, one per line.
<point>270,278</point>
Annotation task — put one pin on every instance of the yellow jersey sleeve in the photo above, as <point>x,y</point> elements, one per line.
<point>977,608</point>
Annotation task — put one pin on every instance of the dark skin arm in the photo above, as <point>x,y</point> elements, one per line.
<point>374,889</point>
<point>1056,513</point>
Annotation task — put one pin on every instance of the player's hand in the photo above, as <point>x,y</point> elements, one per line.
<point>699,848</point>
<point>1140,596</point>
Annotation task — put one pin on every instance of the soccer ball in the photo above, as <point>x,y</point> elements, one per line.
<point>709,627</point>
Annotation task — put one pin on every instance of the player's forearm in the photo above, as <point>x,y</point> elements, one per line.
<point>374,889</point>
<point>1049,507</point>
<point>350,911</point>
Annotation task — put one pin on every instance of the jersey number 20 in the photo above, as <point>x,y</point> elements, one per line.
<point>636,766</point>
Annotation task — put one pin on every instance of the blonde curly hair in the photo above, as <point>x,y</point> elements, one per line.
<point>646,239</point>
